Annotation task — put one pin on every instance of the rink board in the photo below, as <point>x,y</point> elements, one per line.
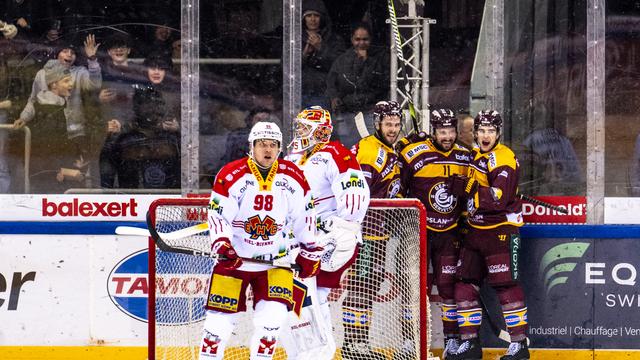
<point>71,289</point>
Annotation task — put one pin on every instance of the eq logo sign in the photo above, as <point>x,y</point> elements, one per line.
<point>128,288</point>
<point>559,261</point>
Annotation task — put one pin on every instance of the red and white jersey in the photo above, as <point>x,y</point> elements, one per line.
<point>338,185</point>
<point>252,211</point>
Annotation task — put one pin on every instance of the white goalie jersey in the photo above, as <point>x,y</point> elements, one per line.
<point>256,213</point>
<point>337,184</point>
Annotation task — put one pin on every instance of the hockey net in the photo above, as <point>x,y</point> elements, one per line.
<point>399,319</point>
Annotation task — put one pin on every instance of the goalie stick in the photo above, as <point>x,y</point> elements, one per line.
<point>400,55</point>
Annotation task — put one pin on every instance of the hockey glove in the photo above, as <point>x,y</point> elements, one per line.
<point>227,256</point>
<point>461,185</point>
<point>309,261</point>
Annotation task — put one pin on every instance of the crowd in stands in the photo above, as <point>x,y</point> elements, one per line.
<point>82,96</point>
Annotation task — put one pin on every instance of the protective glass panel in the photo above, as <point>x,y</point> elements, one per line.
<point>622,52</point>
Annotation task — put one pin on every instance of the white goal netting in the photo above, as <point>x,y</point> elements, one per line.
<point>388,278</point>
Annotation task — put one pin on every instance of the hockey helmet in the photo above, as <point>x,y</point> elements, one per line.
<point>488,118</point>
<point>386,108</point>
<point>264,130</point>
<point>311,126</point>
<point>441,118</point>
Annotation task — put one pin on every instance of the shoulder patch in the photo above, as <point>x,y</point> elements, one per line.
<point>343,158</point>
<point>289,168</point>
<point>228,175</point>
<point>413,150</point>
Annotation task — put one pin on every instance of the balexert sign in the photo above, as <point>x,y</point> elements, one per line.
<point>72,207</point>
<point>77,207</point>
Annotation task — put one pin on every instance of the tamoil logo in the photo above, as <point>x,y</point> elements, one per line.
<point>176,284</point>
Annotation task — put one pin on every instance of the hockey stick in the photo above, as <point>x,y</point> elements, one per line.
<point>162,245</point>
<point>361,125</point>
<point>174,235</point>
<point>543,203</point>
<point>495,328</point>
<point>400,55</point>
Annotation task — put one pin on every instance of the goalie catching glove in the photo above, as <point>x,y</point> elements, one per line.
<point>339,238</point>
<point>228,258</point>
<point>461,185</point>
<point>309,261</point>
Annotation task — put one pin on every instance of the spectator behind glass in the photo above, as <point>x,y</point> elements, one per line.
<point>634,174</point>
<point>357,79</point>
<point>83,81</point>
<point>320,47</point>
<point>237,145</point>
<point>157,68</point>
<point>57,162</point>
<point>161,41</point>
<point>147,156</point>
<point>5,107</point>
<point>561,171</point>
<point>114,101</point>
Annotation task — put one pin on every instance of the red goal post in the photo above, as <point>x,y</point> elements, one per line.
<point>176,302</point>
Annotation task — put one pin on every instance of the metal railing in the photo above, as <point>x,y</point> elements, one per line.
<point>27,151</point>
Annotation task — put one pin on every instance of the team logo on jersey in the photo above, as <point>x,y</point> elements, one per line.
<point>257,227</point>
<point>214,205</point>
<point>394,188</point>
<point>354,181</point>
<point>440,199</point>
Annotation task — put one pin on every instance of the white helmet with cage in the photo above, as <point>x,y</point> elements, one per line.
<point>264,130</point>
<point>312,126</point>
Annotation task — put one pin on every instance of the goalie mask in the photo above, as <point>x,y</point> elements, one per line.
<point>263,130</point>
<point>312,126</point>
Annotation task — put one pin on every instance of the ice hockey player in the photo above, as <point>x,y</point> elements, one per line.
<point>492,243</point>
<point>252,201</point>
<point>379,163</point>
<point>341,199</point>
<point>427,165</point>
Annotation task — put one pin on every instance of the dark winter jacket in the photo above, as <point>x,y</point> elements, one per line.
<point>316,66</point>
<point>359,84</point>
